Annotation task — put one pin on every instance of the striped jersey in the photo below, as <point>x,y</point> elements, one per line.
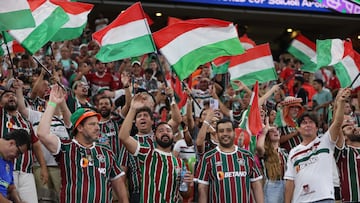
<point>8,123</point>
<point>311,168</point>
<point>229,175</point>
<point>86,173</point>
<point>292,142</point>
<point>160,175</point>
<point>348,162</point>
<point>109,136</point>
<point>133,163</point>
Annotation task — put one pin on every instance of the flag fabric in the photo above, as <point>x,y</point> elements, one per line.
<point>78,16</point>
<point>302,48</point>
<point>220,65</point>
<point>14,46</point>
<point>191,43</point>
<point>347,70</point>
<point>255,64</point>
<point>279,118</point>
<point>127,36</point>
<point>251,122</point>
<point>330,52</point>
<point>15,14</point>
<point>172,20</point>
<point>247,42</point>
<point>48,20</point>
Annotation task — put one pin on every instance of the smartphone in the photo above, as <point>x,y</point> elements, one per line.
<point>214,104</point>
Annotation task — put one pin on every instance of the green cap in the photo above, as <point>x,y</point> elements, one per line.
<point>82,113</point>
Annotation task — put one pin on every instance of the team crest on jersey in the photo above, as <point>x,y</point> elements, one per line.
<point>220,175</point>
<point>307,190</point>
<point>241,161</point>
<point>101,158</point>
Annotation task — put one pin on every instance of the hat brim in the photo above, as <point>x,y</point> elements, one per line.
<point>86,115</point>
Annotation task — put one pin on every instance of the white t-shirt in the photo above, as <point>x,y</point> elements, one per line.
<point>185,152</point>
<point>57,128</point>
<point>311,168</point>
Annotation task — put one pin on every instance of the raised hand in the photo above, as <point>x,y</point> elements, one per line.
<point>57,94</point>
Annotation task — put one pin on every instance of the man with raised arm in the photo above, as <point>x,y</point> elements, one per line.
<point>309,167</point>
<point>88,170</point>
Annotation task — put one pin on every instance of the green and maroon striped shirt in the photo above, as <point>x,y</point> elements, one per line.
<point>292,142</point>
<point>86,173</point>
<point>229,175</point>
<point>160,175</point>
<point>8,123</point>
<point>133,163</point>
<point>109,136</point>
<point>348,162</point>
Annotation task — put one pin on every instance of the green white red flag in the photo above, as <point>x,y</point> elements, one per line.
<point>255,64</point>
<point>127,36</point>
<point>251,120</point>
<point>304,50</point>
<point>348,69</point>
<point>78,17</point>
<point>48,20</point>
<point>190,43</point>
<point>331,51</point>
<point>15,14</point>
<point>13,45</point>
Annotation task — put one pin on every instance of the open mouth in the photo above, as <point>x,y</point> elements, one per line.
<point>165,138</point>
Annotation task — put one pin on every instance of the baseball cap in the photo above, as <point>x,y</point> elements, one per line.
<point>135,62</point>
<point>82,113</point>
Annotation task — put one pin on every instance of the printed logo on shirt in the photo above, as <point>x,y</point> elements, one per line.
<point>102,171</point>
<point>101,158</point>
<point>220,175</point>
<point>304,164</point>
<point>307,190</point>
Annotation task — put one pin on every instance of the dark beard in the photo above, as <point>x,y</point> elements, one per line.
<point>105,114</point>
<point>354,138</point>
<point>8,107</point>
<point>164,144</point>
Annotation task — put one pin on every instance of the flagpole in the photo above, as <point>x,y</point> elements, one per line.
<point>192,96</point>
<point>352,83</point>
<point>48,72</point>
<point>8,51</point>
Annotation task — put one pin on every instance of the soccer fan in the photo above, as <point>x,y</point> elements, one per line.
<point>12,145</point>
<point>59,126</point>
<point>314,154</point>
<point>291,110</point>
<point>23,176</point>
<point>273,161</point>
<point>228,173</point>
<point>159,183</point>
<point>88,170</point>
<point>347,156</point>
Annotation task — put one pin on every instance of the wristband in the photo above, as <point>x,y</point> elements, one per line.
<point>53,104</point>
